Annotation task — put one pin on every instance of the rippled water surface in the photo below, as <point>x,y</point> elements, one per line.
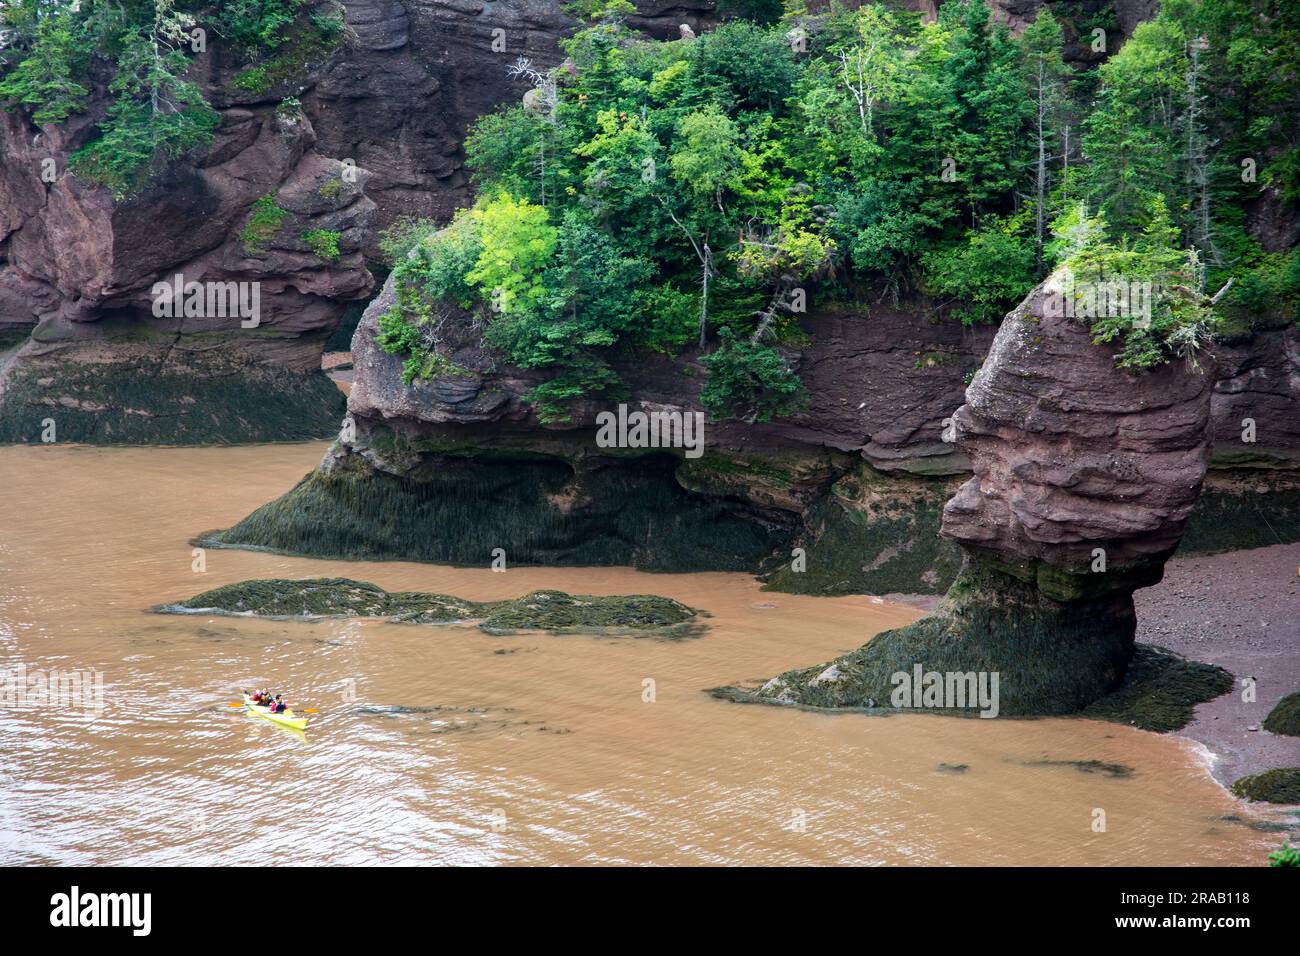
<point>451,746</point>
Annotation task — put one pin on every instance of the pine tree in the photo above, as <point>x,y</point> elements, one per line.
<point>43,81</point>
<point>1045,78</point>
<point>156,113</point>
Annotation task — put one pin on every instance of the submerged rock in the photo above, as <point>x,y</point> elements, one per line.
<point>553,611</point>
<point>1084,476</point>
<point>1116,771</point>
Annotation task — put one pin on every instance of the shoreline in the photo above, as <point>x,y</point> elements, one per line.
<point>1237,609</point>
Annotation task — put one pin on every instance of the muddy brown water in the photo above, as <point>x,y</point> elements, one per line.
<point>451,746</point>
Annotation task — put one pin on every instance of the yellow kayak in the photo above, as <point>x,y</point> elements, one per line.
<point>285,718</point>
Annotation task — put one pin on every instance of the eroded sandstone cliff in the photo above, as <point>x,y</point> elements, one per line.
<point>1084,478</point>
<point>393,99</point>
<point>106,362</point>
<point>855,480</point>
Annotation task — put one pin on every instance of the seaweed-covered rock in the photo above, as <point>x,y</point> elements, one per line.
<point>1243,508</point>
<point>1084,476</point>
<point>551,611</point>
<point>142,397</point>
<point>1160,691</point>
<point>558,611</point>
<point>113,355</point>
<point>875,533</point>
<point>1285,717</point>
<point>460,505</point>
<point>1281,785</point>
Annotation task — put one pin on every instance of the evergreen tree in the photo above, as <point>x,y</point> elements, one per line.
<point>155,114</point>
<point>43,80</point>
<point>1045,76</point>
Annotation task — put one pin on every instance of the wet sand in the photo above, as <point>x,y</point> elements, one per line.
<point>1240,610</point>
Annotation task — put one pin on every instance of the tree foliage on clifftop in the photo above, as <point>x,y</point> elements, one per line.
<point>55,53</point>
<point>648,194</point>
<point>651,195</point>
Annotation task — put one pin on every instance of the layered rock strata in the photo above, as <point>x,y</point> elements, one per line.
<point>455,467</point>
<point>113,354</point>
<point>1084,478</point>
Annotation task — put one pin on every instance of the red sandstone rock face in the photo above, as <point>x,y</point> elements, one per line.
<point>1072,454</point>
<point>880,385</point>
<point>1258,396</point>
<point>76,257</point>
<point>397,102</point>
<point>401,100</point>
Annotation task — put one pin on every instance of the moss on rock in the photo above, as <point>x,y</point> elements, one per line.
<point>874,534</point>
<point>552,611</point>
<point>1160,691</point>
<point>558,612</point>
<point>139,403</point>
<point>1271,786</point>
<point>460,509</point>
<point>1051,658</point>
<point>1285,717</point>
<point>1261,512</point>
<point>11,338</point>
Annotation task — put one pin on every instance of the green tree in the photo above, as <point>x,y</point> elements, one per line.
<point>871,65</point>
<point>44,80</point>
<point>1045,76</point>
<point>987,273</point>
<point>1129,137</point>
<point>591,299</point>
<point>750,381</point>
<point>1182,318</point>
<point>707,162</point>
<point>516,240</point>
<point>745,67</point>
<point>155,112</point>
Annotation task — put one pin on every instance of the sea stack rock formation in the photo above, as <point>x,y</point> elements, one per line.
<point>1084,476</point>
<point>452,468</point>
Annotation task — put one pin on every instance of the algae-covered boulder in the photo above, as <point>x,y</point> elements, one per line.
<point>1160,691</point>
<point>1084,476</point>
<point>190,313</point>
<point>1272,786</point>
<point>553,611</point>
<point>277,597</point>
<point>558,611</point>
<point>1285,717</point>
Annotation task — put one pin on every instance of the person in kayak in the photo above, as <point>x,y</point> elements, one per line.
<point>278,706</point>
